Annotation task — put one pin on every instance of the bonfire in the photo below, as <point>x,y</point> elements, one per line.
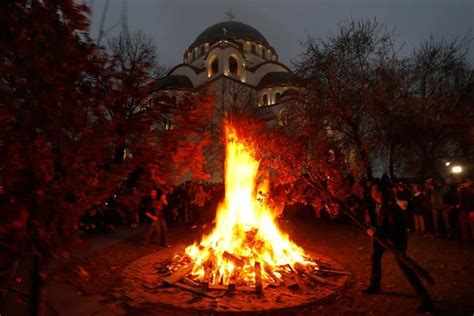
<point>246,249</point>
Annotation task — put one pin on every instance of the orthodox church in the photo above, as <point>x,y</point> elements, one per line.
<point>239,65</point>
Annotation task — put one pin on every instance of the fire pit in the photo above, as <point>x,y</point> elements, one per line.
<point>246,255</point>
<point>143,288</point>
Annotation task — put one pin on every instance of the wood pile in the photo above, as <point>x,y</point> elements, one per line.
<point>179,275</point>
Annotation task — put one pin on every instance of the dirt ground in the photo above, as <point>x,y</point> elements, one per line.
<point>451,263</point>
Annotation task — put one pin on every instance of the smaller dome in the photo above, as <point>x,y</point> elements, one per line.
<point>174,81</point>
<point>275,79</point>
<point>289,93</point>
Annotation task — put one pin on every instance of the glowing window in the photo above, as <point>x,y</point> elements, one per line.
<point>214,69</point>
<point>277,97</point>
<point>233,65</point>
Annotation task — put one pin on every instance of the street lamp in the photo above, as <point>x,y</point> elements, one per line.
<point>456,169</point>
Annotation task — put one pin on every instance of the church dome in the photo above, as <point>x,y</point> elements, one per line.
<point>230,30</point>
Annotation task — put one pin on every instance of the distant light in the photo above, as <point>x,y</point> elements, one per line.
<point>456,169</point>
<point>447,163</point>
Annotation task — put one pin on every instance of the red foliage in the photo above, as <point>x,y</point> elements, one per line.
<point>180,151</point>
<point>65,127</point>
<point>287,161</point>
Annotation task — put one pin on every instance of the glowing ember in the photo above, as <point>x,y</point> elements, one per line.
<point>245,231</point>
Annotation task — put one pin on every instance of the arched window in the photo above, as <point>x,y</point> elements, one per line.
<point>277,97</point>
<point>214,66</point>
<point>283,117</point>
<point>233,65</point>
<point>265,99</point>
<point>167,124</point>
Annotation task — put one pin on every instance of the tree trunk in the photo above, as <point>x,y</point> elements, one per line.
<point>427,166</point>
<point>119,154</point>
<point>391,160</point>
<point>364,157</point>
<point>38,292</point>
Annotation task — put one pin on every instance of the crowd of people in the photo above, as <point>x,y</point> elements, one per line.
<point>441,208</point>
<point>188,204</point>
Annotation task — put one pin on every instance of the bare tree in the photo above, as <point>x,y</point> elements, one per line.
<point>102,21</point>
<point>339,82</point>
<point>441,97</point>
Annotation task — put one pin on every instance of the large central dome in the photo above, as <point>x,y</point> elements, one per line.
<point>230,30</point>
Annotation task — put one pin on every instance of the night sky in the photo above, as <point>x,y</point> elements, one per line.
<point>173,25</point>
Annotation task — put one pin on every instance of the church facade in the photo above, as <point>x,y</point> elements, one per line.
<point>239,65</point>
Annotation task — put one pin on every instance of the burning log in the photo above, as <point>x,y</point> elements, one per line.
<point>303,270</point>
<point>236,260</point>
<point>258,278</point>
<point>197,290</point>
<point>290,283</point>
<point>178,275</point>
<point>287,279</point>
<point>287,267</point>
<point>334,272</point>
<point>245,289</point>
<point>231,288</point>
<point>316,278</point>
<point>322,265</point>
<point>217,287</point>
<point>272,279</point>
<point>268,270</point>
<point>205,280</point>
<point>189,282</point>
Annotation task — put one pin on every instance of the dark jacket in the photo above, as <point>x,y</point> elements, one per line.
<point>418,203</point>
<point>465,199</point>
<point>390,221</point>
<point>449,194</point>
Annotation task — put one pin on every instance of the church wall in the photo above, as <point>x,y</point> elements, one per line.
<point>253,60</point>
<point>223,54</point>
<point>187,71</point>
<point>230,94</point>
<point>271,94</point>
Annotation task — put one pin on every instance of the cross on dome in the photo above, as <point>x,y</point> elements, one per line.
<point>230,15</point>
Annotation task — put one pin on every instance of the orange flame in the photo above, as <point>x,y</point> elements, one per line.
<point>245,230</point>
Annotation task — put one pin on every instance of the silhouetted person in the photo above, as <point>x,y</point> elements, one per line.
<point>418,205</point>
<point>437,207</point>
<point>390,224</point>
<point>200,198</point>
<point>449,200</point>
<point>158,224</point>
<point>465,206</point>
